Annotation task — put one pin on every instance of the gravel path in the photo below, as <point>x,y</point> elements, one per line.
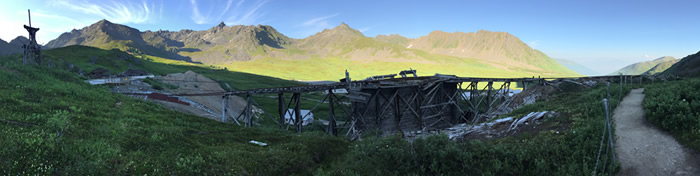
<point>644,150</point>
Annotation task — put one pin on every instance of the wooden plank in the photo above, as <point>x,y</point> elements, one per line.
<point>436,105</point>
<point>356,98</point>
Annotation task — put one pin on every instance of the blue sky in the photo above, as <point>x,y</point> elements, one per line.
<point>603,35</point>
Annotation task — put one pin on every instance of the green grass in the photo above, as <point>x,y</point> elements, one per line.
<point>675,107</point>
<point>52,123</point>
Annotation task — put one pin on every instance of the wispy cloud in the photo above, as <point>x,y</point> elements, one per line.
<point>319,21</point>
<point>241,13</point>
<point>364,29</point>
<point>250,15</point>
<point>116,11</point>
<point>196,16</point>
<point>534,44</point>
<point>316,24</point>
<point>647,56</point>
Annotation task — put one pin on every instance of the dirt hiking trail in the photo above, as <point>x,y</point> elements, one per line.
<point>642,149</point>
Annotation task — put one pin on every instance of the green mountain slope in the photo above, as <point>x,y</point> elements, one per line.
<point>494,47</point>
<point>661,67</point>
<point>642,67</point>
<point>394,38</point>
<point>107,35</point>
<point>53,123</point>
<point>324,56</point>
<point>688,66</point>
<point>89,58</point>
<point>576,67</point>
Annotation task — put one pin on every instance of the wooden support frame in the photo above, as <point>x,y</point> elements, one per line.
<point>331,114</point>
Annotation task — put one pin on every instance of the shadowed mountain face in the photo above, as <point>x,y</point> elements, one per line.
<point>6,48</point>
<point>14,46</point>
<point>648,66</point>
<point>264,45</point>
<point>107,35</point>
<point>688,66</point>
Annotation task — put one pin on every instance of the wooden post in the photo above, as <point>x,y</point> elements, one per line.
<point>488,96</point>
<point>223,108</point>
<point>377,107</point>
<point>331,113</point>
<point>608,90</point>
<point>282,111</point>
<point>621,86</point>
<point>418,101</point>
<point>249,112</point>
<point>298,123</point>
<point>397,111</point>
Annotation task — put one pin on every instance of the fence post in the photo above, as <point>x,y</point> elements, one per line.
<point>608,90</point>
<point>621,86</point>
<point>610,137</point>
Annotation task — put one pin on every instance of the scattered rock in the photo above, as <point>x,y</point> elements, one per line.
<point>93,60</point>
<point>98,73</point>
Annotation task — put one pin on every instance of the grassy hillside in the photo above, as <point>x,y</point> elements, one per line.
<point>688,66</point>
<point>118,61</point>
<point>661,67</point>
<point>52,123</point>
<point>642,67</point>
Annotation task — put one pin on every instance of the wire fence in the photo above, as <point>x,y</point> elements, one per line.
<point>607,139</point>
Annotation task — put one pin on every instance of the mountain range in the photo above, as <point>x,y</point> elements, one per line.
<point>14,46</point>
<point>261,49</point>
<point>648,67</point>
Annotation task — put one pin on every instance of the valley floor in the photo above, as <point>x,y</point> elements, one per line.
<point>642,149</point>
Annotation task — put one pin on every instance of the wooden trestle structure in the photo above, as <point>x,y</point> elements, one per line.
<point>395,105</point>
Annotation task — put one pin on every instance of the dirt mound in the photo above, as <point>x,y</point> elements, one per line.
<point>206,106</point>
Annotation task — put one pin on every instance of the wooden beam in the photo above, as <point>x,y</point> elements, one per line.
<point>282,111</point>
<point>489,96</point>
<point>397,112</point>
<point>331,114</point>
<point>298,123</point>
<point>249,113</point>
